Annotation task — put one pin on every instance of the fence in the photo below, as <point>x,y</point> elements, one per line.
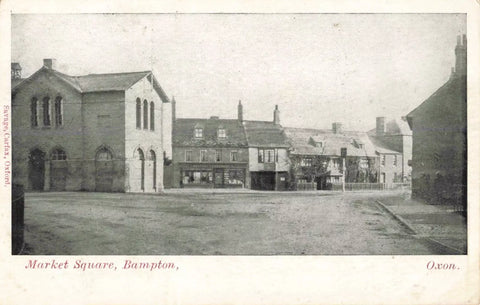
<point>18,204</point>
<point>369,186</point>
<point>306,186</point>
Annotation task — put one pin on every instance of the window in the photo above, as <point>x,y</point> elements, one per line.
<point>234,156</point>
<point>360,145</point>
<point>198,133</point>
<point>58,111</point>
<point>203,155</point>
<point>139,114</point>
<point>336,163</point>
<point>222,133</point>
<point>197,177</point>
<point>306,162</point>
<point>363,163</point>
<point>260,156</point>
<point>104,155</point>
<point>188,156</point>
<point>34,112</point>
<point>145,114</point>
<point>152,116</point>
<point>235,176</point>
<point>46,111</point>
<point>395,160</point>
<point>218,156</point>
<point>276,155</point>
<point>59,155</point>
<point>382,159</point>
<point>269,156</point>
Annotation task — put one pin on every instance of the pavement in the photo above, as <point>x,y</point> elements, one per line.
<point>438,224</point>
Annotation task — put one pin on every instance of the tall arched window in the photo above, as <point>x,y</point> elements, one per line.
<point>139,113</point>
<point>145,114</point>
<point>152,116</point>
<point>58,111</point>
<point>103,154</point>
<point>46,111</point>
<point>34,112</point>
<point>153,157</point>
<point>141,157</point>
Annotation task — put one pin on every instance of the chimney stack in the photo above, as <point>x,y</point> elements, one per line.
<point>337,127</point>
<point>380,130</point>
<point>50,63</point>
<point>16,70</point>
<point>240,111</point>
<point>276,116</point>
<point>461,56</point>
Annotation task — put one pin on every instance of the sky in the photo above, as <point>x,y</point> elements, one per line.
<point>318,68</point>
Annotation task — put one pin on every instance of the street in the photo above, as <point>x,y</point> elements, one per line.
<point>217,223</point>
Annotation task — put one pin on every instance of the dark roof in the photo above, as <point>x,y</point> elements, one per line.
<point>444,101</point>
<point>184,133</point>
<point>382,147</point>
<point>16,81</point>
<point>265,134</point>
<point>301,142</point>
<point>105,82</point>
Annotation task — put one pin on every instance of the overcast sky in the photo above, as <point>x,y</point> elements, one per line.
<point>318,68</point>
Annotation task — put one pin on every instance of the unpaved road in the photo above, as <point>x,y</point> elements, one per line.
<point>203,223</point>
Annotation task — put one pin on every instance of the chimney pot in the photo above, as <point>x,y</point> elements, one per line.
<point>50,63</point>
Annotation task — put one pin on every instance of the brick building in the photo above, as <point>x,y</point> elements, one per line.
<point>439,128</point>
<point>96,132</point>
<point>209,153</point>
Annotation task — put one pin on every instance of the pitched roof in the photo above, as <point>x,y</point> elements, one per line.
<point>382,147</point>
<point>184,133</point>
<point>332,143</point>
<point>104,82</point>
<point>444,101</point>
<point>265,134</point>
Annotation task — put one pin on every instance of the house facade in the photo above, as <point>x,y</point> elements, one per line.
<point>209,153</point>
<point>316,156</point>
<point>439,128</point>
<point>96,132</point>
<point>390,137</point>
<point>269,163</point>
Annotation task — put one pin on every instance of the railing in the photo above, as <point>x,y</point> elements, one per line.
<point>306,186</point>
<point>370,186</point>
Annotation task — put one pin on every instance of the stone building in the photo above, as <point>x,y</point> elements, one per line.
<point>316,156</point>
<point>209,153</point>
<point>394,135</point>
<point>268,153</point>
<point>439,128</point>
<point>96,132</point>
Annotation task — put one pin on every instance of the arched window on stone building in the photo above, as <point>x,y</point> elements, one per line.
<point>139,113</point>
<point>46,111</point>
<point>145,114</point>
<point>152,116</point>
<point>58,111</point>
<point>34,112</point>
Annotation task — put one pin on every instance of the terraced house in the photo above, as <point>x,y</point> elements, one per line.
<point>316,158</point>
<point>95,132</point>
<point>210,153</point>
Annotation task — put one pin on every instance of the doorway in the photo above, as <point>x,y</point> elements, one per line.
<point>36,170</point>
